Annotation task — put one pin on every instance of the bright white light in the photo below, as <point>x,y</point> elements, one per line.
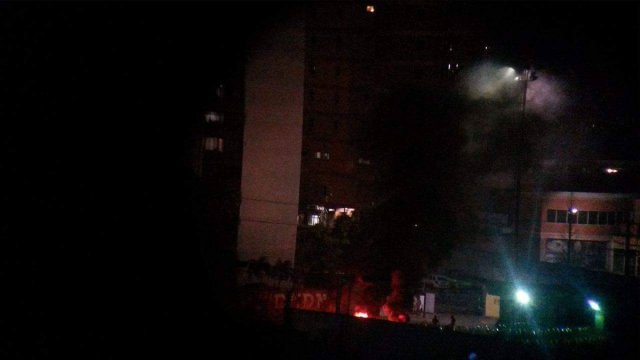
<point>611,171</point>
<point>517,78</point>
<point>594,305</point>
<point>574,211</point>
<point>522,297</point>
<point>371,9</point>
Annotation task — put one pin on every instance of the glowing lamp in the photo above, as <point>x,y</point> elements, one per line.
<point>523,297</point>
<point>594,305</point>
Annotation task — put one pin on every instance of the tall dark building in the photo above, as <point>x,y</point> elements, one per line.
<point>356,54</point>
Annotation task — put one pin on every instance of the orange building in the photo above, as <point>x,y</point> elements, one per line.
<point>590,230</point>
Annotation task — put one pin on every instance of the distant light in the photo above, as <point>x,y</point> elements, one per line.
<point>611,170</point>
<point>486,48</point>
<point>594,305</point>
<point>415,225</point>
<point>517,78</point>
<point>456,66</point>
<point>361,314</point>
<point>449,67</point>
<point>450,48</point>
<point>371,9</point>
<point>523,297</point>
<point>574,210</point>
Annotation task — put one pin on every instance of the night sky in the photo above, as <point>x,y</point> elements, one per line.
<point>593,47</point>
<point>97,101</point>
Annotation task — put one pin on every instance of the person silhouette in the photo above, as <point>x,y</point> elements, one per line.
<point>435,321</point>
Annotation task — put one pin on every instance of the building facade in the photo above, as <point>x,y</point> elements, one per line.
<point>356,54</point>
<point>590,230</point>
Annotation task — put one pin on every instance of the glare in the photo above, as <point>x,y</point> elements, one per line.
<point>523,297</point>
<point>594,305</point>
<point>371,9</point>
<point>574,210</point>
<point>361,314</point>
<point>611,170</point>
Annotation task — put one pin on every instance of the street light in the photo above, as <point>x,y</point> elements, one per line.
<point>571,215</point>
<point>523,297</point>
<point>598,314</point>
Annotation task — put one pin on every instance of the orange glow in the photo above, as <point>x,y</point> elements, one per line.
<point>361,314</point>
<point>371,9</point>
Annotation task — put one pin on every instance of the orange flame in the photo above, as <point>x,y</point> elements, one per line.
<point>361,314</point>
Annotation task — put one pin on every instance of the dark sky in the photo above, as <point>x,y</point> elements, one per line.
<point>592,47</point>
<point>595,44</point>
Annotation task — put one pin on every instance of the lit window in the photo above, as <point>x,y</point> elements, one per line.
<point>344,211</point>
<point>313,219</point>
<point>214,117</point>
<point>321,155</point>
<point>214,144</point>
<point>220,91</point>
<point>371,9</point>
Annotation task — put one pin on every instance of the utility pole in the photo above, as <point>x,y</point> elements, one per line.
<point>627,243</point>
<point>520,137</point>
<point>571,214</point>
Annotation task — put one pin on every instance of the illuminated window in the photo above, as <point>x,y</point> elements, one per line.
<point>214,144</point>
<point>313,219</point>
<point>371,9</point>
<point>344,211</point>
<point>220,91</point>
<point>326,156</point>
<point>213,116</point>
<point>321,155</point>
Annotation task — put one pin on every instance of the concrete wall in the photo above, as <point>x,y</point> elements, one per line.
<point>274,87</point>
